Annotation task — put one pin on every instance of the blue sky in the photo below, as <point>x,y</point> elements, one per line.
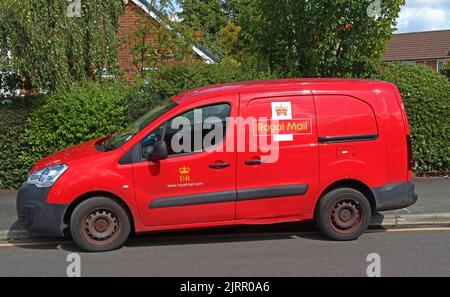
<point>424,15</point>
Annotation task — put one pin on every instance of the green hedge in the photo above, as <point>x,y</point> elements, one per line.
<point>138,101</point>
<point>13,117</point>
<point>446,69</point>
<point>168,81</point>
<point>171,80</point>
<point>73,116</point>
<point>426,95</point>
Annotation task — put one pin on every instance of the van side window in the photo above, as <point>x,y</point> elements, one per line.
<point>344,116</point>
<point>186,132</point>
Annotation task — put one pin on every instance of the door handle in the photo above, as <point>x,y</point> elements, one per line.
<point>219,165</point>
<point>254,162</point>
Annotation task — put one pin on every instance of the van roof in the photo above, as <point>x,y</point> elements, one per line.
<point>261,85</point>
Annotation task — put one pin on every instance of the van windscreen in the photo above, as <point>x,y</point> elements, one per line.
<point>125,135</point>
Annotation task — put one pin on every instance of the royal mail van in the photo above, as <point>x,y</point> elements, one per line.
<point>261,152</point>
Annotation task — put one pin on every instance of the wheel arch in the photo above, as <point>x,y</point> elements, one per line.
<point>93,194</point>
<point>349,183</point>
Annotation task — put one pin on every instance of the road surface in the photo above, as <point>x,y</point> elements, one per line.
<point>253,251</point>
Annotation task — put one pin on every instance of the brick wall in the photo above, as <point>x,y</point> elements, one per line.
<point>430,63</point>
<point>128,24</point>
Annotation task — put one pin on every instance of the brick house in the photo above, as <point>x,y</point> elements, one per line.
<point>431,48</point>
<point>137,11</point>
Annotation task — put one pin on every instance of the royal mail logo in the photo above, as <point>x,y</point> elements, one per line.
<point>185,170</point>
<point>282,127</point>
<point>282,110</point>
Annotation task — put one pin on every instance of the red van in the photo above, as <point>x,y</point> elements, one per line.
<point>332,150</point>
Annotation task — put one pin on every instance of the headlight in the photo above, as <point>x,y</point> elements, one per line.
<point>46,177</point>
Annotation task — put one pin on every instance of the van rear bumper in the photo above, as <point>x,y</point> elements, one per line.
<point>395,196</point>
<point>38,216</point>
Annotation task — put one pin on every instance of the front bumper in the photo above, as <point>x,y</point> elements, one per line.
<point>38,216</point>
<point>395,196</point>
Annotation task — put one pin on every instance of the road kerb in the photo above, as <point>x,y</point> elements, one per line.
<point>402,220</point>
<point>14,235</point>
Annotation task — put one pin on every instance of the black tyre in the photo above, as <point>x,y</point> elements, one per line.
<point>343,214</point>
<point>99,224</point>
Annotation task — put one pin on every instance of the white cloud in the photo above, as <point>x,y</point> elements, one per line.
<point>424,15</point>
<point>443,4</point>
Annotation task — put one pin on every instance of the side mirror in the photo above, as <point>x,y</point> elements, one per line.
<point>160,151</point>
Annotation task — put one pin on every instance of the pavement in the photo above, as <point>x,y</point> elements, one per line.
<point>433,208</point>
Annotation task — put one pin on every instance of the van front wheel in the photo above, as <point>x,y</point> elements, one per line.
<point>343,214</point>
<point>99,224</point>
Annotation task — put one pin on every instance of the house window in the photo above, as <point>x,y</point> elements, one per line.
<point>440,65</point>
<point>105,73</point>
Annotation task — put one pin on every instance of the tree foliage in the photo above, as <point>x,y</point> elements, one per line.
<point>229,41</point>
<point>302,38</point>
<point>446,69</point>
<point>171,80</point>
<point>155,43</point>
<point>326,38</point>
<point>214,22</point>
<point>207,16</point>
<point>52,43</point>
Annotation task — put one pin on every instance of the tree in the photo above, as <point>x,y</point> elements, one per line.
<point>155,43</point>
<point>206,16</point>
<point>233,8</point>
<point>9,80</point>
<point>229,41</point>
<point>53,43</point>
<point>319,38</point>
<point>215,22</point>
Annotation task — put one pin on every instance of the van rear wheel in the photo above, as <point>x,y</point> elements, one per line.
<point>343,214</point>
<point>99,224</point>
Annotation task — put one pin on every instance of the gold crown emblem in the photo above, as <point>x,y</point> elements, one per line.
<point>185,170</point>
<point>281,110</point>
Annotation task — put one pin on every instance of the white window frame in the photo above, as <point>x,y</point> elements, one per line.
<point>437,64</point>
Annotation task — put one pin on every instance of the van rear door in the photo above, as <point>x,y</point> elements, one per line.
<point>277,172</point>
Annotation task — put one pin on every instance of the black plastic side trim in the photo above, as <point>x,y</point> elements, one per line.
<point>272,192</point>
<point>347,138</point>
<point>229,196</point>
<point>208,198</point>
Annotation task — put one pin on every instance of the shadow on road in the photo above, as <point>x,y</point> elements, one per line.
<point>283,231</point>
